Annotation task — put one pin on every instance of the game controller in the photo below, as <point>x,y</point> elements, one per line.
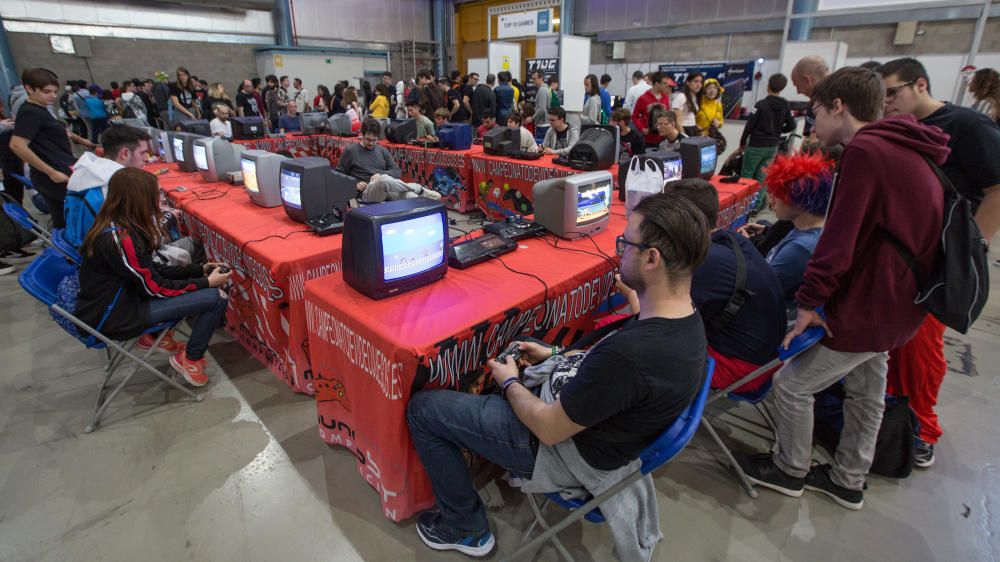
<point>223,269</point>
<point>513,351</point>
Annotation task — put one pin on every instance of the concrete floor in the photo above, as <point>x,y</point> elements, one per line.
<point>243,476</point>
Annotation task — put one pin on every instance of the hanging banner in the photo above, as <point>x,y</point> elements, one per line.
<point>736,77</point>
<point>548,67</point>
<point>524,24</point>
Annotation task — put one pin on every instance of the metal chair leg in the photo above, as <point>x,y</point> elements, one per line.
<point>113,366</point>
<point>740,475</point>
<point>540,520</point>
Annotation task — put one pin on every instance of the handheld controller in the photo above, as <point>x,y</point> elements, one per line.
<point>513,351</point>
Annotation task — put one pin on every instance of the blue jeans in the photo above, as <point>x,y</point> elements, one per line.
<point>207,304</point>
<point>442,423</point>
<point>97,126</point>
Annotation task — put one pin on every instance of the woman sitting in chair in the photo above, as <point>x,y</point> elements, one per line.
<point>122,286</point>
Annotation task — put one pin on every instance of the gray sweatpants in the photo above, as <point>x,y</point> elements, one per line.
<point>389,189</point>
<point>792,395</point>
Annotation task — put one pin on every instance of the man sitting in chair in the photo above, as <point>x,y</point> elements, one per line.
<point>377,173</point>
<point>596,411</point>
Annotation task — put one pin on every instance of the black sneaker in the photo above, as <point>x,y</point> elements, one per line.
<point>6,268</point>
<point>761,470</point>
<point>819,480</point>
<point>924,456</point>
<point>437,535</point>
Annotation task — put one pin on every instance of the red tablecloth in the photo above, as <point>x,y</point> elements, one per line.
<point>271,258</point>
<point>327,146</point>
<point>449,172</point>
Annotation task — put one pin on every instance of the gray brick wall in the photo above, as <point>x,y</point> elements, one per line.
<point>118,59</point>
<point>705,48</point>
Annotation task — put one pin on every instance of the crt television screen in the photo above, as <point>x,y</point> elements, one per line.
<point>179,150</point>
<point>672,170</point>
<point>592,201</point>
<point>249,168</point>
<point>707,159</point>
<point>291,184</point>
<point>200,159</point>
<point>412,246</point>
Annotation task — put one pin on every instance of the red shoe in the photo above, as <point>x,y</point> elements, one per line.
<point>192,371</point>
<point>167,345</point>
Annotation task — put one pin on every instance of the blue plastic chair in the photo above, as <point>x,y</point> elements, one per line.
<point>661,451</point>
<point>41,280</point>
<point>65,246</point>
<point>804,341</point>
<point>23,179</point>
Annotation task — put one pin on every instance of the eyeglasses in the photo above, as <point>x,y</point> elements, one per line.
<point>621,242</point>
<point>369,140</point>
<point>890,93</point>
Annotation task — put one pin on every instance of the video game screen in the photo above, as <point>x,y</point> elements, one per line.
<point>179,150</point>
<point>672,170</point>
<point>592,201</point>
<point>708,159</point>
<point>249,168</point>
<point>412,246</point>
<point>200,159</point>
<point>291,184</point>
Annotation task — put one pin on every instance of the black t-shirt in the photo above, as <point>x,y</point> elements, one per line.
<point>974,162</point>
<point>46,136</point>
<point>632,144</point>
<point>630,386</point>
<point>249,104</point>
<point>338,105</point>
<point>186,97</point>
<point>455,95</point>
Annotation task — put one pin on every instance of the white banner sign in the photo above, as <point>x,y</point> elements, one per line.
<point>524,24</point>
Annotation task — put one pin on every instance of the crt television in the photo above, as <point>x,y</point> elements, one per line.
<point>501,140</point>
<point>597,148</point>
<point>396,246</point>
<point>196,126</point>
<point>261,170</point>
<point>666,161</point>
<point>163,145</point>
<point>575,205</point>
<point>340,124</point>
<point>246,128</point>
<point>699,156</point>
<point>220,158</point>
<point>310,188</point>
<point>312,123</point>
<point>184,151</point>
<point>401,131</point>
<point>456,136</point>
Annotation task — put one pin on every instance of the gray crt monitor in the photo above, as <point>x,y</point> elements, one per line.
<point>221,157</point>
<point>261,171</point>
<point>573,206</point>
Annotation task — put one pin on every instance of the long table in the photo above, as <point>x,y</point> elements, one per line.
<point>327,146</point>
<point>449,172</point>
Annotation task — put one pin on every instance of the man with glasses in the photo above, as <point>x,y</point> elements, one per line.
<point>886,194</point>
<point>592,412</point>
<point>560,137</point>
<point>917,369</point>
<point>377,173</point>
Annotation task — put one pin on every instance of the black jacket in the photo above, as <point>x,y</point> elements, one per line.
<point>482,100</point>
<point>771,118</point>
<point>120,260</point>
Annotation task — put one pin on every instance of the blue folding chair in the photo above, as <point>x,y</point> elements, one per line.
<point>21,216</point>
<point>804,341</point>
<point>65,246</point>
<point>41,280</point>
<point>658,453</point>
<point>23,179</point>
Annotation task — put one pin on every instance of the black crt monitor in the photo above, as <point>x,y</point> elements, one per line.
<point>221,158</point>
<point>597,148</point>
<point>261,170</point>
<point>698,157</point>
<point>184,151</point>
<point>340,124</point>
<point>310,188</point>
<point>312,123</point>
<point>396,246</point>
<point>196,126</point>
<point>575,205</point>
<point>455,136</point>
<point>165,145</point>
<point>246,128</point>
<point>401,131</point>
<point>501,140</point>
<point>668,162</point>
<point>132,122</point>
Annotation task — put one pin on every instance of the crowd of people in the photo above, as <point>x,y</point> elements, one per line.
<point>581,416</point>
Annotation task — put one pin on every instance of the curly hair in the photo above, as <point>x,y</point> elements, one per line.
<point>802,180</point>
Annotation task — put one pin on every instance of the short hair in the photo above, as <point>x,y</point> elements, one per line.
<point>516,117</point>
<point>255,81</point>
<point>873,65</point>
<point>677,229</point>
<point>38,78</point>
<point>804,180</point>
<point>557,112</point>
<point>537,73</point>
<point>442,112</point>
<point>476,74</point>
<point>656,77</point>
<point>777,82</point>
<point>387,73</point>
<point>489,115</point>
<point>605,78</point>
<point>455,75</point>
<point>282,78</point>
<point>621,114</point>
<point>670,116</point>
<point>907,69</point>
<point>638,75</point>
<point>553,80</point>
<point>425,73</point>
<point>270,78</point>
<point>491,79</point>
<point>812,65</point>
<point>370,126</point>
<point>296,80</point>
<point>114,84</point>
<point>413,102</point>
<point>859,89</point>
<point>503,76</point>
<point>527,108</point>
<point>700,192</point>
<point>116,138</point>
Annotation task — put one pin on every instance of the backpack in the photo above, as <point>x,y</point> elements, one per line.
<point>739,295</point>
<point>67,294</point>
<point>81,208</point>
<point>13,236</point>
<point>955,291</point>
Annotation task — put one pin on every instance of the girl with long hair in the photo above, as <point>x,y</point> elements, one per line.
<point>985,88</point>
<point>217,96</point>
<point>322,100</point>
<point>685,103</point>
<point>591,113</point>
<point>118,273</point>
<point>182,95</point>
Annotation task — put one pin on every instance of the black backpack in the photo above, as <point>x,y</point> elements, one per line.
<point>956,290</point>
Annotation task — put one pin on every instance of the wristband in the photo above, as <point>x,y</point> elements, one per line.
<point>556,350</point>
<point>506,384</point>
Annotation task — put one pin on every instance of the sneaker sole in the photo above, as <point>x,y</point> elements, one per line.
<point>183,372</point>
<point>840,501</point>
<point>924,464</point>
<point>786,491</point>
<point>476,551</point>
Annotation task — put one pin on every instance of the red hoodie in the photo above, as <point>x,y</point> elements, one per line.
<point>640,115</point>
<point>884,185</point>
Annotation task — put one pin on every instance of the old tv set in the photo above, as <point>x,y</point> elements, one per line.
<point>163,145</point>
<point>698,156</point>
<point>597,148</point>
<point>312,123</point>
<point>221,158</point>
<point>401,131</point>
<point>133,122</point>
<point>196,126</point>
<point>261,170</point>
<point>500,140</point>
<point>396,246</point>
<point>184,151</point>
<point>310,188</point>
<point>575,205</point>
<point>340,124</point>
<point>666,161</point>
<point>455,136</point>
<point>246,128</point>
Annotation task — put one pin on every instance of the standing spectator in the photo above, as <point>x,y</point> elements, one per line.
<point>182,96</point>
<point>805,75</point>
<point>116,92</point>
<point>659,94</point>
<point>685,103</point>
<point>300,95</point>
<point>640,85</point>
<point>591,113</point>
<point>161,94</point>
<point>456,108</point>
<point>352,108</point>
<point>379,108</point>
<point>517,91</point>
<point>632,143</point>
<point>553,82</point>
<point>222,126</point>
<point>543,96</point>
<point>337,104</point>
<point>98,114</point>
<point>711,114</point>
<point>468,91</point>
<point>246,101</point>
<point>131,105</point>
<point>885,190</point>
<point>484,101</point>
<point>145,94</point>
<point>505,96</point>
<point>429,93</point>
<point>217,96</point>
<point>275,99</point>
<point>323,98</point>
<point>258,96</point>
<point>110,107</point>
<point>771,118</point>
<point>391,89</point>
<point>985,88</point>
<point>605,95</point>
<point>366,90</point>
<point>560,137</point>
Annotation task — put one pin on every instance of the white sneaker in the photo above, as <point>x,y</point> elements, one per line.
<point>6,268</point>
<point>430,194</point>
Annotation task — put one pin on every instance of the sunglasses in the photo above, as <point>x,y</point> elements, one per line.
<point>890,93</point>
<point>621,242</point>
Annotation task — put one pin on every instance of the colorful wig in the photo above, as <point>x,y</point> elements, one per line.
<point>801,180</point>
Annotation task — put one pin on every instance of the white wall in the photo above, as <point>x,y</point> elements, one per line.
<point>313,69</point>
<point>383,21</point>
